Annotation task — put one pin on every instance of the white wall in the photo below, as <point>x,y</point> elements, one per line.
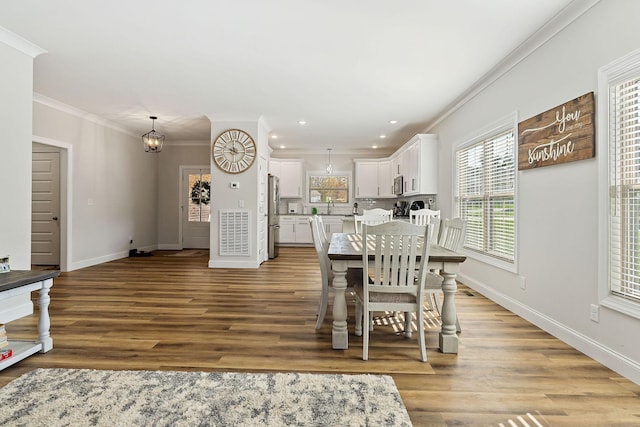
<point>557,205</point>
<point>113,184</point>
<point>15,155</point>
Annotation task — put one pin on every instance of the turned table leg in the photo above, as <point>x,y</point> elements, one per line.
<point>339,334</point>
<point>448,336</point>
<point>44,322</point>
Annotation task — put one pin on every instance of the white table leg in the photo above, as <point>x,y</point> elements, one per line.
<point>448,336</point>
<point>44,322</point>
<point>339,334</point>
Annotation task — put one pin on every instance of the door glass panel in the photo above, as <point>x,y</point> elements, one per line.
<point>200,197</point>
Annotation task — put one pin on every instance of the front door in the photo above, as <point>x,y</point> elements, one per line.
<point>196,207</point>
<point>45,206</point>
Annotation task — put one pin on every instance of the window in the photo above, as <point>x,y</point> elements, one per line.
<point>329,188</point>
<point>485,195</point>
<point>620,186</point>
<point>199,197</point>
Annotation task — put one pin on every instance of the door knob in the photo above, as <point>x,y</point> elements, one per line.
<point>55,218</point>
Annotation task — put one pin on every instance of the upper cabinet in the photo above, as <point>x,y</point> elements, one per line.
<point>419,159</point>
<point>373,179</point>
<point>290,172</point>
<point>416,161</point>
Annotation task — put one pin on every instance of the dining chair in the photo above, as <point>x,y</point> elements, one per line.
<point>424,217</point>
<point>323,231</point>
<point>379,211</point>
<point>322,246</point>
<point>372,217</point>
<point>389,281</point>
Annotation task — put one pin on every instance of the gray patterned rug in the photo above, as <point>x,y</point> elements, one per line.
<point>83,397</point>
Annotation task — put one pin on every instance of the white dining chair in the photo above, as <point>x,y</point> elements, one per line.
<point>424,217</point>
<point>389,282</point>
<point>379,211</point>
<point>372,217</point>
<point>322,246</point>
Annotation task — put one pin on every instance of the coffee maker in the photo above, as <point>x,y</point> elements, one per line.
<point>401,209</point>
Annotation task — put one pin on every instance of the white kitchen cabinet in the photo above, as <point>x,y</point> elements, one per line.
<point>290,172</point>
<point>303,230</point>
<point>366,179</point>
<point>295,229</point>
<point>373,179</point>
<point>420,165</point>
<point>287,232</point>
<point>385,179</point>
<point>332,224</point>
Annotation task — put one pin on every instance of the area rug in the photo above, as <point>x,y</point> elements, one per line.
<point>84,397</point>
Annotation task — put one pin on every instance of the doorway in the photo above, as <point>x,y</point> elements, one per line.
<point>196,207</point>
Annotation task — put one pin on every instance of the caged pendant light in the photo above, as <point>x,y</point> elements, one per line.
<point>152,140</point>
<point>329,165</point>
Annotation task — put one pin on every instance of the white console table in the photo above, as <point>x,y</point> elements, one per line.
<point>15,302</point>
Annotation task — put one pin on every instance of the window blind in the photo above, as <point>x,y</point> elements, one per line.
<point>485,194</point>
<point>624,181</point>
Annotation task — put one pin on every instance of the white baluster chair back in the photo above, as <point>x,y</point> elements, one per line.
<point>424,217</point>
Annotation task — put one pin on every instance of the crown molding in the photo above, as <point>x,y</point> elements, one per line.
<point>559,22</point>
<point>20,43</point>
<point>66,108</point>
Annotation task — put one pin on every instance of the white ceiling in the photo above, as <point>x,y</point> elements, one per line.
<point>347,67</point>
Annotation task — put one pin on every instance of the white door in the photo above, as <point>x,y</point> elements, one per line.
<point>45,207</point>
<point>263,220</point>
<point>196,207</point>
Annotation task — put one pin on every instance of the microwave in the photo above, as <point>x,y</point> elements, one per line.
<point>398,185</point>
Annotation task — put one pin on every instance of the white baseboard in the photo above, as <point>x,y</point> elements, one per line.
<point>106,258</point>
<point>170,247</point>
<point>613,360</point>
<point>217,263</point>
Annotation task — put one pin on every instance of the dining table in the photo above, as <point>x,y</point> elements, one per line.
<point>345,251</point>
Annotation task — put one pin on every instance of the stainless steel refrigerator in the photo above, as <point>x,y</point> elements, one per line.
<point>272,214</point>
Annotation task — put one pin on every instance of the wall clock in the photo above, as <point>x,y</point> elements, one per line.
<point>233,151</point>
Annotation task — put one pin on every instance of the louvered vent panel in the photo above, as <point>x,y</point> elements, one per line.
<point>234,232</point>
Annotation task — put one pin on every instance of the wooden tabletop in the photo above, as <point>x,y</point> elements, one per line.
<point>348,246</point>
<point>16,278</point>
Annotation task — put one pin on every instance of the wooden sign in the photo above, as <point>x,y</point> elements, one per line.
<point>560,135</point>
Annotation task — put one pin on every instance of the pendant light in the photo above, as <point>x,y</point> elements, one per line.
<point>152,140</point>
<point>329,165</point>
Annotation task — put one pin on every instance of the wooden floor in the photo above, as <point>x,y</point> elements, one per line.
<point>170,312</point>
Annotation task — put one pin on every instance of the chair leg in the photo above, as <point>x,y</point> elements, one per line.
<point>421,338</point>
<point>322,308</point>
<point>358,318</point>
<point>365,337</point>
<point>407,324</point>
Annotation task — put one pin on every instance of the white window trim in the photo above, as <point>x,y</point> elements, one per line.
<point>613,73</point>
<point>508,122</point>
<point>324,173</point>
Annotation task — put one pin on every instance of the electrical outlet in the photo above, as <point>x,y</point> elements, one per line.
<point>523,283</point>
<point>595,313</point>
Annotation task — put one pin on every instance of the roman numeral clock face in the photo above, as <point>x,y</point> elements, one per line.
<point>233,151</point>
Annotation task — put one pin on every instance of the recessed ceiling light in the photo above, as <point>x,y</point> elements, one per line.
<point>302,122</point>
<point>383,136</point>
<point>283,147</point>
<point>393,122</point>
<point>274,136</point>
<point>374,146</point>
